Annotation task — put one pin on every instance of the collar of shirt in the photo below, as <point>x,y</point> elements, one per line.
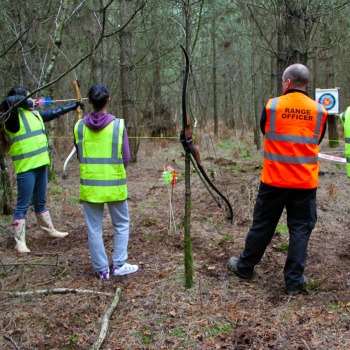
<point>296,90</point>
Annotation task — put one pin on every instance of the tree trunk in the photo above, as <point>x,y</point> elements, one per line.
<point>7,192</point>
<point>49,71</point>
<point>215,92</point>
<point>332,121</point>
<point>126,68</point>
<point>157,88</point>
<point>255,102</point>
<point>291,38</point>
<point>188,257</point>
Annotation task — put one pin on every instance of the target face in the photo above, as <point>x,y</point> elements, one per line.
<point>327,100</point>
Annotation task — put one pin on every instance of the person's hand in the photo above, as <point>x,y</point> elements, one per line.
<point>80,104</point>
<point>35,103</point>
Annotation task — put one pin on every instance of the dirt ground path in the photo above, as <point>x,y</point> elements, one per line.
<point>155,311</point>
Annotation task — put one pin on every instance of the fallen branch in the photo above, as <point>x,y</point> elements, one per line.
<point>12,341</point>
<point>56,291</point>
<point>105,321</point>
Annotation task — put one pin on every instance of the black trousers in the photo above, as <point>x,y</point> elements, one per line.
<point>301,210</point>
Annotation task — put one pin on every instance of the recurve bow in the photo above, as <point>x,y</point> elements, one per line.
<point>79,111</point>
<point>186,139</point>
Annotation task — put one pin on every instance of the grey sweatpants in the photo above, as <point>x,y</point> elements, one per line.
<point>119,212</point>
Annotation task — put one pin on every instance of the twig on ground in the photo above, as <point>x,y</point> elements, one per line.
<point>105,321</point>
<point>305,343</point>
<point>6,227</point>
<point>12,341</point>
<point>56,291</point>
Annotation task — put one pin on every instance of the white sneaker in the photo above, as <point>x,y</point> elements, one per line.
<point>124,270</point>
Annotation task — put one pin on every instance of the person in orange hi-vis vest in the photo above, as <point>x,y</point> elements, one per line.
<point>293,125</point>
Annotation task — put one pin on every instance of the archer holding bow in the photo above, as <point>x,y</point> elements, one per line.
<point>23,134</point>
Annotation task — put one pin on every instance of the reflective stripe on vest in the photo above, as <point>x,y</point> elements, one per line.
<point>28,146</point>
<point>102,177</point>
<point>291,142</point>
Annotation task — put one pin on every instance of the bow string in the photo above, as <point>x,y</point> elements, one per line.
<point>186,139</point>
<point>79,111</point>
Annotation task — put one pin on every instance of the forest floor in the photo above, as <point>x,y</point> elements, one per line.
<point>155,311</point>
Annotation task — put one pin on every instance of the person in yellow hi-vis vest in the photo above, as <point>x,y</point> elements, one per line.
<point>103,152</point>
<point>345,121</point>
<point>24,135</point>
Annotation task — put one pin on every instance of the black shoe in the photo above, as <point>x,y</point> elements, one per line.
<point>300,290</point>
<point>232,266</point>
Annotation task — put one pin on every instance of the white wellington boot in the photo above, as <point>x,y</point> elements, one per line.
<point>44,221</point>
<point>20,235</point>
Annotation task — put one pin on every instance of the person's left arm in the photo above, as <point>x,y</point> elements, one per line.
<point>342,117</point>
<point>263,120</point>
<point>323,130</point>
<point>49,114</point>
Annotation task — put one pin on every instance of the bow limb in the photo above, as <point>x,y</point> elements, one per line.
<point>79,111</point>
<point>208,181</point>
<point>186,139</point>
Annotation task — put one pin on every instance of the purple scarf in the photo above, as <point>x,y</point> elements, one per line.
<point>97,120</point>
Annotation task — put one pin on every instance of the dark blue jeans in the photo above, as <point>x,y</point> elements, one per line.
<point>31,184</point>
<point>301,219</point>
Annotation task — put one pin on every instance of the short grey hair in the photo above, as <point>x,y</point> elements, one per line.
<point>298,74</point>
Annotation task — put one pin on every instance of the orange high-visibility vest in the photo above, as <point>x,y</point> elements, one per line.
<point>293,129</point>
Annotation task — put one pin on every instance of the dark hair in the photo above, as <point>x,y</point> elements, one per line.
<point>4,107</point>
<point>18,91</point>
<point>98,95</point>
<point>15,91</point>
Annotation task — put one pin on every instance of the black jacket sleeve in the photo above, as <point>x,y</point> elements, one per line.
<point>56,112</point>
<point>263,120</point>
<point>323,131</point>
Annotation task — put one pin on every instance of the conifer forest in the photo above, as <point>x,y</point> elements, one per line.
<point>203,69</point>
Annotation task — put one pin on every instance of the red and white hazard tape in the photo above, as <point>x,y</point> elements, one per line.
<point>332,158</point>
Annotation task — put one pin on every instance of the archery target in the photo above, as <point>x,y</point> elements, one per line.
<point>329,98</point>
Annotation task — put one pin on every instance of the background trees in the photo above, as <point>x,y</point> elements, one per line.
<point>238,49</point>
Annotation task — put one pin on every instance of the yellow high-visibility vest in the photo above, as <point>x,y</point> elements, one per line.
<point>102,171</point>
<point>345,120</point>
<point>28,146</point>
